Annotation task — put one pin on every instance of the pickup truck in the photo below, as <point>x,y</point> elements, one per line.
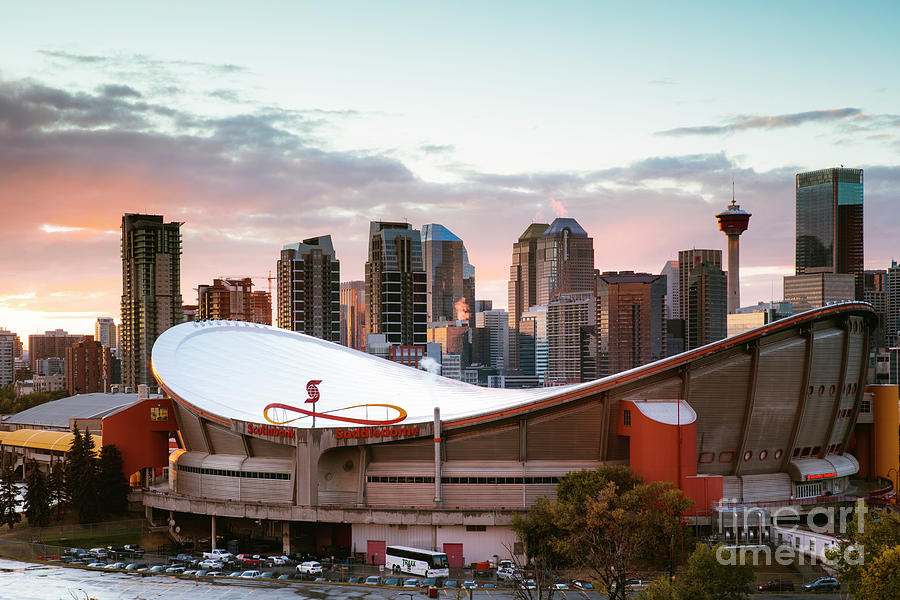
<point>219,554</point>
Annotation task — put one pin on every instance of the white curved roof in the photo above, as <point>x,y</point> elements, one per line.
<point>667,412</point>
<point>236,370</point>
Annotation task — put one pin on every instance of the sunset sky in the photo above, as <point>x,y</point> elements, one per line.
<point>260,124</point>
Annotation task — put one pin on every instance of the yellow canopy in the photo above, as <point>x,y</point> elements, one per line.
<point>44,440</point>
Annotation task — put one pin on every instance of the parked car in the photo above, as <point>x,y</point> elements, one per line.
<point>116,565</point>
<point>430,581</point>
<point>97,565</point>
<point>211,564</point>
<point>253,574</point>
<point>559,586</point>
<point>310,567</point>
<point>219,554</point>
<point>175,570</point>
<point>469,585</point>
<point>182,559</point>
<point>373,580</point>
<point>98,552</point>
<point>135,566</point>
<point>583,585</point>
<point>158,569</point>
<point>268,575</point>
<point>278,561</point>
<point>528,584</point>
<point>133,550</point>
<point>411,583</point>
<point>508,574</point>
<point>822,584</point>
<point>776,585</point>
<point>355,580</point>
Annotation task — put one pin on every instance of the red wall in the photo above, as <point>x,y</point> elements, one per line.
<point>142,442</point>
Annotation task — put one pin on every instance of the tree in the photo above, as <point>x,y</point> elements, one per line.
<point>8,504</point>
<point>81,477</point>
<point>881,578</point>
<point>659,589</point>
<point>58,486</point>
<point>37,497</point>
<point>867,537</point>
<point>714,574</point>
<point>111,480</point>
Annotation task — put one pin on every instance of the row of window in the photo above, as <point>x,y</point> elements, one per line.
<point>815,450</point>
<point>849,388</point>
<point>728,456</point>
<point>462,480</point>
<point>230,473</point>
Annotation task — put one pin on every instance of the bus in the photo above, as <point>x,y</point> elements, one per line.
<point>415,561</point>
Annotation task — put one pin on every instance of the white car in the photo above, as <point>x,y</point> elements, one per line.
<point>310,567</point>
<point>211,564</point>
<point>278,561</point>
<point>508,574</point>
<point>559,586</point>
<point>250,574</point>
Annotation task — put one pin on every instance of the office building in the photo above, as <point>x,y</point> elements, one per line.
<point>105,333</point>
<point>451,366</point>
<point>875,293</point>
<point>534,345</point>
<point>52,365</point>
<point>353,314</point>
<point>450,279</point>
<point>688,260</point>
<point>483,305</point>
<point>670,271</point>
<point>829,205</point>
<point>733,222</point>
<point>88,367</point>
<point>812,290</point>
<point>565,261</point>
<point>676,337</point>
<point>706,322</point>
<point>396,295</point>
<point>522,287</point>
<point>50,344</point>
<point>151,291</point>
<point>572,339</point>
<point>892,307</point>
<point>453,338</point>
<point>496,323</point>
<point>631,320</point>
<point>309,295</point>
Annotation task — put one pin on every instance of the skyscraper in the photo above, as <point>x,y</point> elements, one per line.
<point>534,346</point>
<point>670,270</point>
<point>396,295</point>
<point>829,205</point>
<point>892,310</point>
<point>522,281</point>
<point>7,360</point>
<point>631,322</point>
<point>261,311</point>
<point>151,291</point>
<point>105,333</point>
<point>572,338</point>
<point>88,367</point>
<point>875,293</point>
<point>353,314</point>
<point>565,260</point>
<point>688,260</point>
<point>707,305</point>
<point>449,276</point>
<point>496,322</point>
<point>233,299</point>
<point>309,279</point>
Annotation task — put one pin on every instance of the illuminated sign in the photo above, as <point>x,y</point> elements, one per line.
<point>269,430</point>
<point>374,432</point>
<point>820,475</point>
<point>159,414</point>
<point>268,413</point>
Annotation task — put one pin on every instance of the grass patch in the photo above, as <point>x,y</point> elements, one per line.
<point>88,538</point>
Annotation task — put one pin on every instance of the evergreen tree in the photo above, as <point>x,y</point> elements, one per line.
<point>81,477</point>
<point>37,497</point>
<point>58,487</point>
<point>8,514</point>
<point>112,481</point>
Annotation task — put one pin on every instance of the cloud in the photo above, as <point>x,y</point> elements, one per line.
<point>663,81</point>
<point>119,91</point>
<point>436,148</point>
<point>559,209</point>
<point>746,122</point>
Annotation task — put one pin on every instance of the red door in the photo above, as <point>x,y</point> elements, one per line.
<point>454,554</point>
<point>375,552</point>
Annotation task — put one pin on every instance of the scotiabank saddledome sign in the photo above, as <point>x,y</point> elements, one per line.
<point>283,414</point>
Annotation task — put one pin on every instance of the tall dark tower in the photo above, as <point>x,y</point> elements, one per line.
<point>830,222</point>
<point>733,222</point>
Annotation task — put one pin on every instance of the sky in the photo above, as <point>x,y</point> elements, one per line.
<point>262,124</point>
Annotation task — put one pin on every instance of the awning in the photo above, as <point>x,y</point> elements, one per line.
<point>44,440</point>
<point>832,466</point>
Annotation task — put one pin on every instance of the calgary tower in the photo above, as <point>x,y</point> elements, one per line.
<point>733,222</point>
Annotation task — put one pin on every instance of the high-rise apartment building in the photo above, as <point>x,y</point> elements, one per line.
<point>688,260</point>
<point>892,309</point>
<point>233,299</point>
<point>151,291</point>
<point>829,204</point>
<point>572,339</point>
<point>565,260</point>
<point>631,320</point>
<point>105,333</point>
<point>16,341</point>
<point>670,271</point>
<point>522,286</point>
<point>7,360</point>
<point>353,314</point>
<point>396,295</point>
<point>50,344</point>
<point>309,289</point>
<point>88,365</point>
<point>496,323</point>
<point>449,276</point>
<point>707,320</point>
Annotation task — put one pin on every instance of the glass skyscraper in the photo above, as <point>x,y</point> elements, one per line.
<point>830,222</point>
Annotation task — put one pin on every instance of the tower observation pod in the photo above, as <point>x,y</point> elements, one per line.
<point>733,222</point>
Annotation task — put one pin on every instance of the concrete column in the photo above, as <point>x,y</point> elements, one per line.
<point>212,520</point>
<point>286,537</point>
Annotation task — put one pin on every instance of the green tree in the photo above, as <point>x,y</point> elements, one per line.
<point>714,574</point>
<point>111,480</point>
<point>864,540</point>
<point>37,497</point>
<point>659,589</point>
<point>881,578</point>
<point>58,487</point>
<point>81,477</point>
<point>8,514</point>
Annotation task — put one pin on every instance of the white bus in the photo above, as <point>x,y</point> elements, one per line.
<point>416,561</point>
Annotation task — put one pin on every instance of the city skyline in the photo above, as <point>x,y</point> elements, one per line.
<point>253,149</point>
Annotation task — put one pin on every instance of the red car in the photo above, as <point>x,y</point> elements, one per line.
<point>777,585</point>
<point>251,560</point>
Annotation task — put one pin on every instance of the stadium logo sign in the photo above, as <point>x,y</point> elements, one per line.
<point>269,430</point>
<point>374,432</point>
